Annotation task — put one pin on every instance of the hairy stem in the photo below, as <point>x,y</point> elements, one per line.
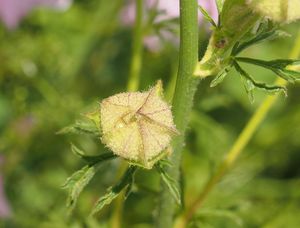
<point>238,146</point>
<point>185,89</point>
<point>137,49</point>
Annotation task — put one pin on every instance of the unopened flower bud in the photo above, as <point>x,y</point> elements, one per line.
<point>137,126</point>
<point>282,11</point>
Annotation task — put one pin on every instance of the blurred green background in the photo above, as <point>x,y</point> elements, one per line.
<point>56,66</point>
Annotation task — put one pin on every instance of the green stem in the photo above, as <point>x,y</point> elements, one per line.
<point>137,49</point>
<point>185,89</point>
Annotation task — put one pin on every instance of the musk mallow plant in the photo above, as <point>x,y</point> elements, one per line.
<point>135,126</point>
<point>140,126</point>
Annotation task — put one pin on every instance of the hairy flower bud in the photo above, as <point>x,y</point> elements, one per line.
<point>282,11</point>
<point>137,126</point>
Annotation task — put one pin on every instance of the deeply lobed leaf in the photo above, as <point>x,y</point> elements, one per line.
<point>250,84</point>
<point>92,160</point>
<point>278,66</point>
<point>81,127</point>
<point>169,181</point>
<point>114,191</point>
<point>77,182</point>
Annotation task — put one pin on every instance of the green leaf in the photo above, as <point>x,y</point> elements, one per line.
<point>277,63</point>
<point>261,37</point>
<point>282,63</point>
<point>278,66</point>
<point>166,162</point>
<point>94,116</point>
<point>129,187</point>
<point>81,127</point>
<point>114,191</point>
<point>250,84</point>
<point>77,182</point>
<point>249,87</point>
<point>290,76</point>
<point>169,181</point>
<point>207,16</point>
<point>219,4</point>
<point>82,177</point>
<point>92,160</point>
<point>220,77</point>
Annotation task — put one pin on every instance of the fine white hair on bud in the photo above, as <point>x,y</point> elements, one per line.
<point>137,126</point>
<point>282,11</point>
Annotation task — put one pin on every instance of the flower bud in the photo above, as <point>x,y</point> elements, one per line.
<point>137,126</point>
<point>282,11</point>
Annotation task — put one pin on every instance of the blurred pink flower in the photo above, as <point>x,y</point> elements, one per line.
<point>5,211</point>
<point>166,10</point>
<point>12,11</point>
